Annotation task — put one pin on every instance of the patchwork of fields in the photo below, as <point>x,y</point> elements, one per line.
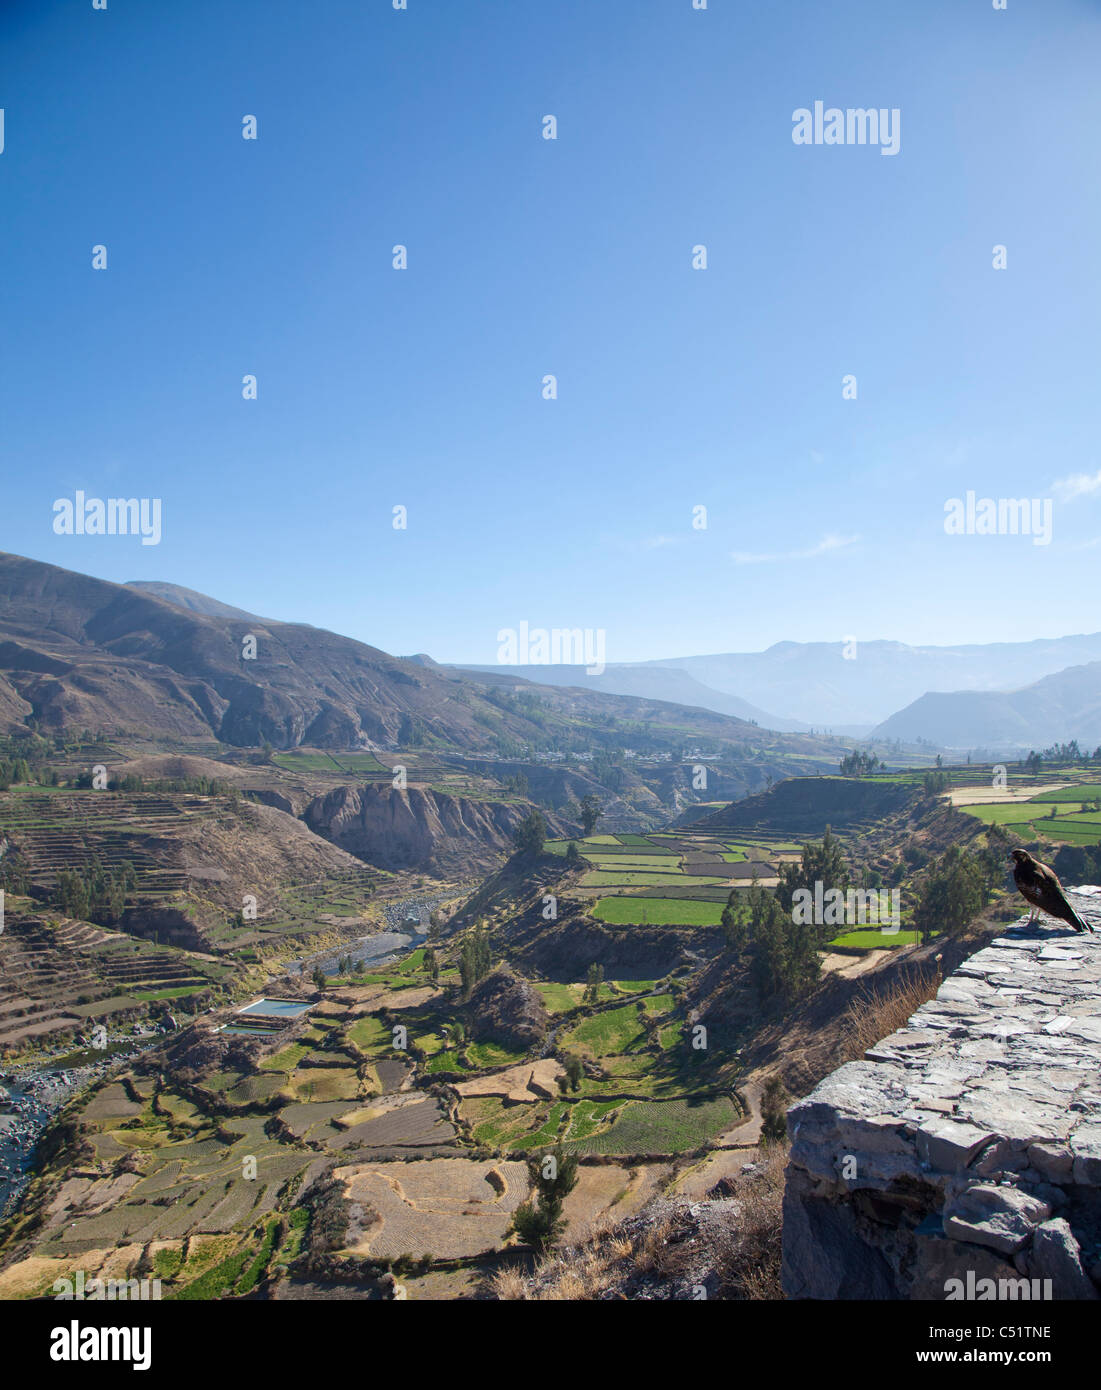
<point>1069,814</point>
<point>672,878</point>
<point>201,1179</point>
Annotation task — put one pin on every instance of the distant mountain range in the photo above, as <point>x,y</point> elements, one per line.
<point>158,658</point>
<point>880,686</point>
<point>652,682</point>
<point>1056,709</point>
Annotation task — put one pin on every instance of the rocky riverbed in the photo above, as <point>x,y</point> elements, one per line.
<point>31,1095</point>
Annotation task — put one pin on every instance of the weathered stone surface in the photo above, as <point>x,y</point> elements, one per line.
<point>1057,1256</point>
<point>940,1260</point>
<point>949,1148</point>
<point>947,1144</point>
<point>1000,1218</point>
<point>825,1257</point>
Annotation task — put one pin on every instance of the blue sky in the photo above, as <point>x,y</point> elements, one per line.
<point>677,388</point>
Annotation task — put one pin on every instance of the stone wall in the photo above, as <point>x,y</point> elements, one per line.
<point>966,1146</point>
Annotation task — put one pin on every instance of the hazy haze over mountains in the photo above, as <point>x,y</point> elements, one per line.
<point>799,685</point>
<point>1056,709</point>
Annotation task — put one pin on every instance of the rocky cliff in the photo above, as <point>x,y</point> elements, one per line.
<point>419,828</point>
<point>962,1157</point>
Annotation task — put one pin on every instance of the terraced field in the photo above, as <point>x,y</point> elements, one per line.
<point>453,1208</point>
<point>57,974</point>
<point>72,829</point>
<point>659,912</point>
<point>690,872</point>
<point>661,1126</point>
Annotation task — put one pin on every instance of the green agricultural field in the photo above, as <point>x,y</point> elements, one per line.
<point>877,940</point>
<point>1006,813</point>
<point>148,995</point>
<point>661,1126</point>
<point>1072,832</point>
<point>491,1054</point>
<point>300,761</point>
<point>659,1004</point>
<point>369,1034</point>
<point>358,762</point>
<point>325,1083</point>
<point>612,1030</point>
<point>548,1133</point>
<point>657,912</point>
<point>1082,791</point>
<point>287,1059</point>
<point>559,999</point>
<point>305,762</point>
<point>568,1121</point>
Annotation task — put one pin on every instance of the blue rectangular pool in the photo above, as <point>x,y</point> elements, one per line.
<point>276,1008</point>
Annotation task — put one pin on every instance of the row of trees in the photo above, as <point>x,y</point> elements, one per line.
<point>958,885</point>
<point>783,954</point>
<point>859,763</point>
<point>95,894</point>
<point>1060,755</point>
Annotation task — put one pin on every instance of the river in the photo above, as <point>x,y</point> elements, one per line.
<point>406,922</point>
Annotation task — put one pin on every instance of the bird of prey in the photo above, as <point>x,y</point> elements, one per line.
<point>1040,887</point>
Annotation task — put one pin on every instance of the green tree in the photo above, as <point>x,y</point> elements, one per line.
<point>953,893</point>
<point>575,1071</point>
<point>474,959</point>
<point>934,782</point>
<point>539,1221</point>
<point>859,763</point>
<point>736,917</point>
<point>820,863</point>
<point>784,961</point>
<point>531,835</point>
<point>593,982</point>
<point>591,811</point>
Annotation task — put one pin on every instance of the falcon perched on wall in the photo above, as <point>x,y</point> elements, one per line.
<point>1040,886</point>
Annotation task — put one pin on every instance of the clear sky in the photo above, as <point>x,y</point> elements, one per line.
<point>677,387</point>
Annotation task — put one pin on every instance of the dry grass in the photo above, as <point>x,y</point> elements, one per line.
<point>883,1009</point>
<point>577,1272</point>
<point>749,1263</point>
<point>744,1254</point>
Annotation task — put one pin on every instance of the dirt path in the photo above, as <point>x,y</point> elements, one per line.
<point>746,1134</point>
<point>849,967</point>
